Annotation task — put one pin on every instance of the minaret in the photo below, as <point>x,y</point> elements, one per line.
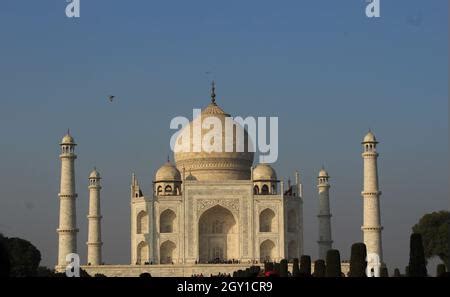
<point>67,230</point>
<point>371,195</point>
<point>325,242</point>
<point>94,244</point>
<point>298,184</point>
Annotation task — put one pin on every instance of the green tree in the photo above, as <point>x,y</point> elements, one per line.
<point>333,268</point>
<point>417,265</point>
<point>358,261</point>
<point>23,256</point>
<point>5,264</point>
<point>44,272</point>
<point>435,229</point>
<point>397,272</point>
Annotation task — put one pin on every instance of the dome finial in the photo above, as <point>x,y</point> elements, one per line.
<point>213,92</point>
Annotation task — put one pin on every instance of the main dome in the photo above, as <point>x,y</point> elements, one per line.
<point>212,165</point>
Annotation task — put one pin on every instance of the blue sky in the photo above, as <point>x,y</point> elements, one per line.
<point>328,72</point>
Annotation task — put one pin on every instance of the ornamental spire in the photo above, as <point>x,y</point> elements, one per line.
<point>213,92</point>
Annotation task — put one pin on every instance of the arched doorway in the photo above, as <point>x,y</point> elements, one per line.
<point>267,251</point>
<point>166,252</point>
<point>142,222</point>
<point>142,253</point>
<point>167,222</point>
<point>267,222</point>
<point>218,235</point>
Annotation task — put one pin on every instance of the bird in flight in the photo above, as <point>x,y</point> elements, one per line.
<point>111,98</point>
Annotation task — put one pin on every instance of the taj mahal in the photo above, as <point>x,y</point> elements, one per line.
<point>210,212</point>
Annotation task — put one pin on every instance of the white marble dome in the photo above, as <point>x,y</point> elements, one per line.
<point>94,174</point>
<point>370,137</point>
<point>323,173</point>
<point>167,172</point>
<point>67,139</point>
<point>264,172</point>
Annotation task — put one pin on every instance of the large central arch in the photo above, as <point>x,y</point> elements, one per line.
<point>218,235</point>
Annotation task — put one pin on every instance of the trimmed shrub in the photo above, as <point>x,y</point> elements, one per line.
<point>417,263</point>
<point>440,270</point>
<point>254,271</point>
<point>284,268</point>
<point>268,266</point>
<point>276,268</point>
<point>305,266</point>
<point>358,261</point>
<point>397,272</point>
<point>384,272</point>
<point>295,268</point>
<point>319,268</point>
<point>333,268</point>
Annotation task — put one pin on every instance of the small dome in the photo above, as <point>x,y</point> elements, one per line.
<point>370,137</point>
<point>94,174</point>
<point>190,177</point>
<point>264,172</point>
<point>167,172</point>
<point>323,173</point>
<point>67,139</point>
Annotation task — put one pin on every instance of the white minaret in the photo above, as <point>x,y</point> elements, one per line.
<point>371,222</point>
<point>94,244</point>
<point>67,230</point>
<point>325,242</point>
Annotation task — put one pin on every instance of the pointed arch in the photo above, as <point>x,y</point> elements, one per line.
<point>218,235</point>
<point>142,222</point>
<point>267,221</point>
<point>167,252</point>
<point>167,221</point>
<point>142,253</point>
<point>267,251</point>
